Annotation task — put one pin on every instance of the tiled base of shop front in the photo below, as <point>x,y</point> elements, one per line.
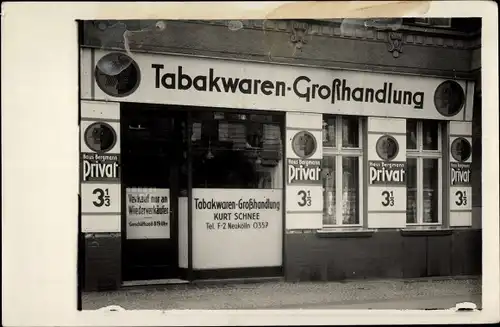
<point>324,257</point>
<point>101,262</point>
<point>382,254</point>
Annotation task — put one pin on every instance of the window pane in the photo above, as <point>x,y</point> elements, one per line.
<point>236,151</point>
<point>430,130</point>
<point>411,191</point>
<point>329,199</point>
<point>329,132</point>
<point>431,196</point>
<point>411,134</point>
<point>350,133</point>
<point>441,22</point>
<point>350,182</point>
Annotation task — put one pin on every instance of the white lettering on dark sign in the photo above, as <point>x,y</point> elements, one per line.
<point>304,171</point>
<point>460,173</point>
<point>96,167</point>
<point>381,172</point>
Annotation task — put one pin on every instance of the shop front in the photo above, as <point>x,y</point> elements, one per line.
<point>200,168</point>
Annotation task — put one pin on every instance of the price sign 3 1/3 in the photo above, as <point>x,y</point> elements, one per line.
<point>304,198</point>
<point>460,198</point>
<point>103,198</point>
<point>388,198</point>
<point>100,198</point>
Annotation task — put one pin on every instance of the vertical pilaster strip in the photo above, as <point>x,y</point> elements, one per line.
<point>386,177</point>
<point>460,160</point>
<point>100,193</point>
<point>303,187</point>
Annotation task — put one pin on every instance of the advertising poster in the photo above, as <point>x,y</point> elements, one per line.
<point>148,213</point>
<point>237,228</point>
<point>387,173</point>
<point>304,184</point>
<point>460,170</point>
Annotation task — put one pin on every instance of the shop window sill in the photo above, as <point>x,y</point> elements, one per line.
<point>423,231</point>
<point>344,233</point>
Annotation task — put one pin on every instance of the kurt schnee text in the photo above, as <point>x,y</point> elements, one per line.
<point>237,215</point>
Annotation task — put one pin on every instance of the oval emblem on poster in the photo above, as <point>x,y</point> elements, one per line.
<point>117,74</point>
<point>387,147</point>
<point>304,144</point>
<point>100,137</point>
<point>449,98</point>
<point>461,149</point>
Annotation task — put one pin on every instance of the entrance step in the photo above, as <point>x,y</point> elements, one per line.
<point>251,280</point>
<point>154,282</point>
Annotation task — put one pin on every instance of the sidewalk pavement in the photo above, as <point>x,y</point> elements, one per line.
<point>430,293</point>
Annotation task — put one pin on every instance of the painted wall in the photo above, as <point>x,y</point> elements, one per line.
<point>442,55</point>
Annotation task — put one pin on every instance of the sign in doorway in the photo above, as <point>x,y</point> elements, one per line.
<point>152,177</point>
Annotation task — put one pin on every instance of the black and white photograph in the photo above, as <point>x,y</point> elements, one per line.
<point>282,164</point>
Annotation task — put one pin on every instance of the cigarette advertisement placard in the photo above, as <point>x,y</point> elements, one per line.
<point>460,173</point>
<point>387,173</point>
<point>304,189</point>
<point>148,213</point>
<point>237,228</point>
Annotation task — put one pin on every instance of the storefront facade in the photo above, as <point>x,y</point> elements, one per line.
<point>200,165</point>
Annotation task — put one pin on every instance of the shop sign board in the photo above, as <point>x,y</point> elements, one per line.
<point>237,228</point>
<point>148,213</point>
<point>185,80</point>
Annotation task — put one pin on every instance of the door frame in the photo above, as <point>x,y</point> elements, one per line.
<point>175,192</point>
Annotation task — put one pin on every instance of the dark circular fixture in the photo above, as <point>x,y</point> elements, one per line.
<point>461,149</point>
<point>117,74</point>
<point>387,147</point>
<point>100,137</point>
<point>304,144</point>
<point>449,98</point>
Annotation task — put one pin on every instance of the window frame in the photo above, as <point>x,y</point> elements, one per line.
<point>430,21</point>
<point>338,152</point>
<point>420,154</point>
<point>216,116</point>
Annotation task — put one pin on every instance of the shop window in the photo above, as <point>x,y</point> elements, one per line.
<point>236,150</point>
<point>424,172</point>
<point>342,170</point>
